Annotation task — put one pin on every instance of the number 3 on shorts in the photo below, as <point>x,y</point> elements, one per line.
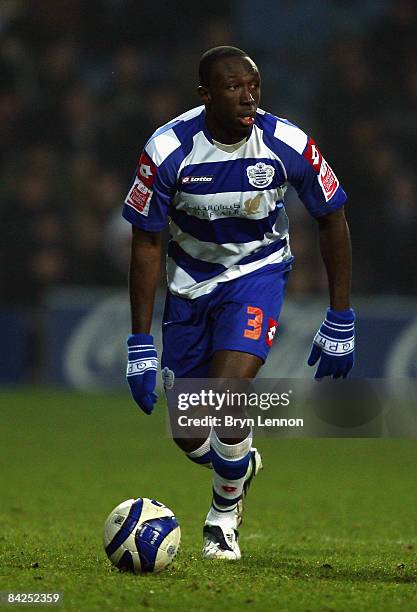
<point>254,323</point>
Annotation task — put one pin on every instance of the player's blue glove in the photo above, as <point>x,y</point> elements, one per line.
<point>142,364</point>
<point>334,344</point>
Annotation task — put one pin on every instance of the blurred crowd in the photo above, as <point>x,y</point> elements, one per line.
<point>85,83</point>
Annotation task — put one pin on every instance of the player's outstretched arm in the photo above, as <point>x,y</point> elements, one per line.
<point>144,275</point>
<point>333,344</point>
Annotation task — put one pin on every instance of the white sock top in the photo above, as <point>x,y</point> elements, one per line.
<point>232,452</point>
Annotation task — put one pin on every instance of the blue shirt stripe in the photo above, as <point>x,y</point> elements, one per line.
<point>199,270</point>
<point>274,247</point>
<point>222,231</point>
<point>228,176</point>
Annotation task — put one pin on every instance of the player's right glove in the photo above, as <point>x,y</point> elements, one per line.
<point>142,364</point>
<point>334,344</point>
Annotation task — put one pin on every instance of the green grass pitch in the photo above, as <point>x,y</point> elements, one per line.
<point>329,524</point>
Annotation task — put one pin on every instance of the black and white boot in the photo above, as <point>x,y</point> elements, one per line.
<point>220,542</point>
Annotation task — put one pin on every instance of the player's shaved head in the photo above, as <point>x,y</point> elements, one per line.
<point>210,57</point>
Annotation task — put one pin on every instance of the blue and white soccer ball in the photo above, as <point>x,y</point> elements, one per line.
<point>141,535</point>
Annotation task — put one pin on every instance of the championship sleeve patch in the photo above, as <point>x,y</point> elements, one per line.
<point>326,177</point>
<point>139,197</point>
<point>328,180</point>
<point>146,171</point>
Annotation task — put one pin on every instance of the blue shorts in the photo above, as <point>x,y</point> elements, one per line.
<point>239,315</point>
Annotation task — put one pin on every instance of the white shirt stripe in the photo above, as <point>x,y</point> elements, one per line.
<point>291,135</point>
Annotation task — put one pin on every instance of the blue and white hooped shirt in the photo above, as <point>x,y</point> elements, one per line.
<point>226,208</point>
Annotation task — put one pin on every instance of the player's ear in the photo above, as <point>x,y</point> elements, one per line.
<point>204,94</point>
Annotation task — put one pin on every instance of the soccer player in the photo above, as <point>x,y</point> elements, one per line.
<point>219,173</point>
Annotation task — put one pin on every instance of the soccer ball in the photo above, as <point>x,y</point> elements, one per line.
<point>141,535</point>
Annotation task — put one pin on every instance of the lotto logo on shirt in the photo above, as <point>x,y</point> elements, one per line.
<point>146,171</point>
<point>271,331</point>
<point>196,179</point>
<point>139,197</point>
<point>313,155</point>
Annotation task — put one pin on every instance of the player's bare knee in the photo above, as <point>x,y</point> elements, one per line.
<point>235,440</point>
<point>188,445</point>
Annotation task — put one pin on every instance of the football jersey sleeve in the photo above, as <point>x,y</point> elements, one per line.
<point>317,185</point>
<point>149,198</point>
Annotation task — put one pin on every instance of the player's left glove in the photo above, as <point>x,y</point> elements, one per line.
<point>142,364</point>
<point>334,344</point>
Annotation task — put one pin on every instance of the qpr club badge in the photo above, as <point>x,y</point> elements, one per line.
<point>260,175</point>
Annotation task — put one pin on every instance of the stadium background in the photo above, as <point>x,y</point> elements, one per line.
<point>83,83</point>
<point>83,87</point>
